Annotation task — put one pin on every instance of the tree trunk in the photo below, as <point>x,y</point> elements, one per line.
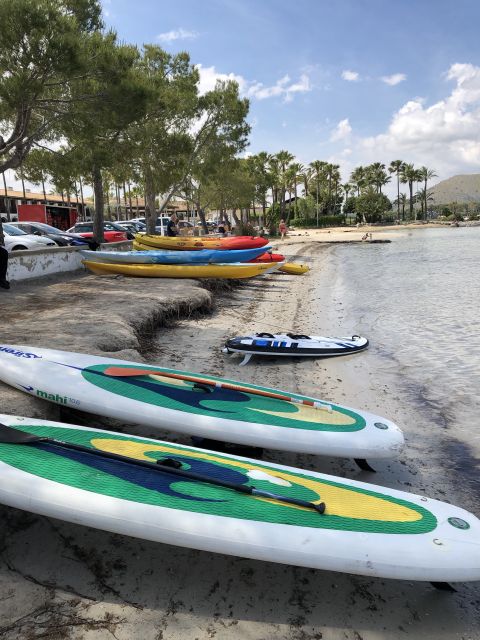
<point>98,218</point>
<point>150,212</point>
<point>201,215</point>
<point>125,200</point>
<point>7,203</point>
<point>130,199</point>
<point>81,197</point>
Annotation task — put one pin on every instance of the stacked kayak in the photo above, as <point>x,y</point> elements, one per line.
<point>292,344</point>
<point>164,256</point>
<point>198,405</point>
<point>180,495</point>
<point>193,242</point>
<point>233,271</point>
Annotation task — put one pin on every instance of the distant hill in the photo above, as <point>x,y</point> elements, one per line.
<point>456,189</point>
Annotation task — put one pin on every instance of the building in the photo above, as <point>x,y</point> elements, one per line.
<point>10,199</point>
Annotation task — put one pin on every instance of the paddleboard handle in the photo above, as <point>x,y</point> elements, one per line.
<point>10,435</point>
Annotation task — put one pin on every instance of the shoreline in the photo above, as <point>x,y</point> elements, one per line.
<point>99,584</point>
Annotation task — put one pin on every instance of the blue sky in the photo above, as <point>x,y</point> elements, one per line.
<point>346,81</point>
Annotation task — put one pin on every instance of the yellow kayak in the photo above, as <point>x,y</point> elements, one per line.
<point>230,271</point>
<point>294,268</point>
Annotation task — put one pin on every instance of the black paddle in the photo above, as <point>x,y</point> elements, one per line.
<point>10,435</point>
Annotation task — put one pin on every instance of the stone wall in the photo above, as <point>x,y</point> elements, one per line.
<point>35,263</point>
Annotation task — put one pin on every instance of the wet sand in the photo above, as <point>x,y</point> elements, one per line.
<point>59,580</point>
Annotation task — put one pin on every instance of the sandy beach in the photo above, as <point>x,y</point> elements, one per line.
<point>59,580</point>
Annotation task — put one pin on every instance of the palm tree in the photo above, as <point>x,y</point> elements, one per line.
<point>396,167</point>
<point>377,176</point>
<point>284,158</point>
<point>358,178</point>
<point>425,175</point>
<point>332,174</point>
<point>409,175</point>
<point>295,170</point>
<point>318,169</point>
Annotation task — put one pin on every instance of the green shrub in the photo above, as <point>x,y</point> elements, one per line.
<point>323,221</point>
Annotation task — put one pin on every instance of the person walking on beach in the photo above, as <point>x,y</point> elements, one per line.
<point>282,228</point>
<point>172,226</point>
<point>4,283</point>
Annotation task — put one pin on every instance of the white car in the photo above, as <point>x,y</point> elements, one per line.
<point>16,239</point>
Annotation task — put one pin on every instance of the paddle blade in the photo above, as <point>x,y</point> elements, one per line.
<point>10,435</point>
<point>120,372</point>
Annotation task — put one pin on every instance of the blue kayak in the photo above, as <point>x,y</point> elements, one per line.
<point>164,256</point>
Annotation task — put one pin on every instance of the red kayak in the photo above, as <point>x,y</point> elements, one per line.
<point>269,257</point>
<point>242,242</point>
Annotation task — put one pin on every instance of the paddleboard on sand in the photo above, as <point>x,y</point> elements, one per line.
<point>198,404</point>
<point>331,523</point>
<point>293,345</point>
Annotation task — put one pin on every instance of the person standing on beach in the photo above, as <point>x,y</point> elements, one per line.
<point>4,283</point>
<point>282,227</point>
<point>172,226</point>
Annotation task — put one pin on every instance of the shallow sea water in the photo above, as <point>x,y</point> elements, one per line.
<point>418,300</point>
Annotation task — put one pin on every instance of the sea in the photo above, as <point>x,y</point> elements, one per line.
<point>418,301</point>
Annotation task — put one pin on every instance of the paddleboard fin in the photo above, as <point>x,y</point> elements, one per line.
<point>443,586</point>
<point>246,359</point>
<point>364,466</point>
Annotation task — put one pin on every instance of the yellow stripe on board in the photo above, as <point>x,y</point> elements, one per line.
<point>343,502</point>
<point>305,413</point>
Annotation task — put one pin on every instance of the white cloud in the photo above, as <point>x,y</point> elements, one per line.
<point>444,136</point>
<point>209,77</point>
<point>284,87</point>
<point>341,131</point>
<point>394,79</point>
<point>350,76</point>
<point>177,34</point>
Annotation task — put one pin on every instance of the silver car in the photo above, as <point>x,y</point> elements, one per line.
<point>16,239</point>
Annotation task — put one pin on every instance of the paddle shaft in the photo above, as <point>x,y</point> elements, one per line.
<point>30,439</point>
<point>119,372</point>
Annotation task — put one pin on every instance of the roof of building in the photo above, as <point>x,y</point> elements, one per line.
<point>30,195</point>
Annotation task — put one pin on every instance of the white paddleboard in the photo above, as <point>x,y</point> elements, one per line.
<point>365,529</point>
<point>197,404</point>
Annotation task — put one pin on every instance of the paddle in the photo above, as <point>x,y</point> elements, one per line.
<point>10,435</point>
<point>119,372</point>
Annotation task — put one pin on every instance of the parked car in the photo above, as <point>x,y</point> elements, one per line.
<point>111,232</point>
<point>133,226</point>
<point>16,239</point>
<point>61,238</point>
<point>160,225</point>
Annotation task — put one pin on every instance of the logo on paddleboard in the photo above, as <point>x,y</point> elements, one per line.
<point>18,354</point>
<point>55,397</point>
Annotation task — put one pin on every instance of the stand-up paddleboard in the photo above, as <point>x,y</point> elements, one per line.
<point>171,493</point>
<point>293,345</point>
<point>230,271</point>
<point>166,256</point>
<point>197,404</point>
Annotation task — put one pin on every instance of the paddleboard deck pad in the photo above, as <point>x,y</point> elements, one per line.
<point>291,344</point>
<point>198,404</point>
<point>364,529</point>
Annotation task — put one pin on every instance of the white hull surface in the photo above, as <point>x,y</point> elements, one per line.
<point>365,529</point>
<point>199,405</point>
